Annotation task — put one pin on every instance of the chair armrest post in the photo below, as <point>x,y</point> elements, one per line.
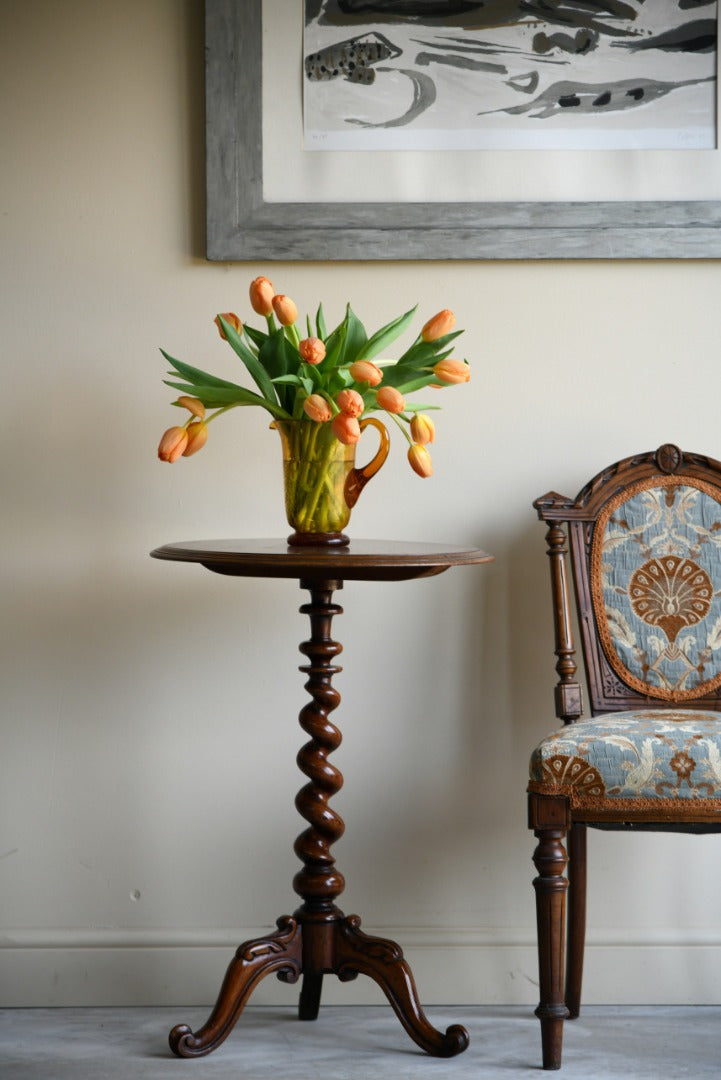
<point>569,703</point>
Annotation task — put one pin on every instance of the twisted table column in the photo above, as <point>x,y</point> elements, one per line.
<point>319,883</point>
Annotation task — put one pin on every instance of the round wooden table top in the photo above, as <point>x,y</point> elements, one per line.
<point>361,560</point>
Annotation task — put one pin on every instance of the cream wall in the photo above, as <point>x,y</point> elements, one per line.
<point>149,710</point>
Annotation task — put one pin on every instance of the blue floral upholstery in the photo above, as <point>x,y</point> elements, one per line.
<point>656,587</point>
<point>634,759</point>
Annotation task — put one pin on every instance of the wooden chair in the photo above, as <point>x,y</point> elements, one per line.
<point>645,547</point>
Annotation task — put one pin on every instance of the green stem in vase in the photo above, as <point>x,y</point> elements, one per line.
<point>324,480</point>
<point>316,465</point>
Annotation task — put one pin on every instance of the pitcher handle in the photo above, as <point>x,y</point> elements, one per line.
<point>358,478</point>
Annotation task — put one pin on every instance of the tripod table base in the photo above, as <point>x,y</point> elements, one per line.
<point>313,948</point>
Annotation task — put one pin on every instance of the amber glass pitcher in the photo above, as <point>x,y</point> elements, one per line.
<point>322,484</point>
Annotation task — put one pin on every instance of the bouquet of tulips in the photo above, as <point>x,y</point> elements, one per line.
<point>327,377</point>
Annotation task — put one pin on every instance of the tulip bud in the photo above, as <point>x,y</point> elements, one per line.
<point>390,399</point>
<point>346,429</point>
<point>285,309</point>
<point>317,408</point>
<point>423,430</point>
<point>229,318</point>
<point>452,371</point>
<point>172,444</point>
<point>312,350</point>
<point>365,371</point>
<point>440,325</point>
<point>192,405</point>
<point>197,437</point>
<point>261,296</point>
<point>420,460</point>
<point>350,402</point>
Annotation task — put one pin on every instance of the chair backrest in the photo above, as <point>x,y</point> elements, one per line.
<point>645,546</point>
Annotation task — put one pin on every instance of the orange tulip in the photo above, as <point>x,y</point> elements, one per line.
<point>440,325</point>
<point>197,437</point>
<point>350,402</point>
<point>229,318</point>
<point>390,399</point>
<point>192,405</point>
<point>312,350</point>
<point>317,408</point>
<point>423,429</point>
<point>261,296</point>
<point>452,371</point>
<point>420,460</point>
<point>346,428</point>
<point>172,444</point>
<point>365,371</point>
<point>285,309</point>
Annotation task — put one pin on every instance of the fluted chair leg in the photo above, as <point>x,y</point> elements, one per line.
<point>576,918</point>
<point>550,859</point>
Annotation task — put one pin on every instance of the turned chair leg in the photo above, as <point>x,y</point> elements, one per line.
<point>550,859</point>
<point>576,918</point>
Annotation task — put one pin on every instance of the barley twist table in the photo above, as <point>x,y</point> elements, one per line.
<point>318,939</point>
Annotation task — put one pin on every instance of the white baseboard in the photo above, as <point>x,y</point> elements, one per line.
<point>458,967</point>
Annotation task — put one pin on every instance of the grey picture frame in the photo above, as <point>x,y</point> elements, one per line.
<point>242,226</point>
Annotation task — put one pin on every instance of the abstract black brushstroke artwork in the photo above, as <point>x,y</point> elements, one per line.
<point>510,74</point>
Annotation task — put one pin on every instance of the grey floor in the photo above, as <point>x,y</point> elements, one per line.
<point>357,1044</point>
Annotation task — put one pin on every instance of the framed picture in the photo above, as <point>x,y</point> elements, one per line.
<point>269,197</point>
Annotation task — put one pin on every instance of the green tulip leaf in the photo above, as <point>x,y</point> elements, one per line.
<point>219,397</point>
<point>312,376</point>
<point>356,337</point>
<point>279,357</point>
<point>320,328</point>
<point>287,380</point>
<point>258,337</point>
<point>255,368</point>
<point>377,342</point>
<point>403,376</point>
<point>334,348</point>
<point>195,375</point>
<point>425,352</point>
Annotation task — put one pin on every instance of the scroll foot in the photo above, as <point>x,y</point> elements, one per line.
<point>383,961</point>
<point>280,952</point>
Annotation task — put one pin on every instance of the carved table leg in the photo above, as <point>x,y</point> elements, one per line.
<point>309,1002</point>
<point>383,961</point>
<point>254,960</point>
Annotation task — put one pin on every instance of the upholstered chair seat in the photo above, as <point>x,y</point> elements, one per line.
<point>667,761</point>
<point>644,540</point>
